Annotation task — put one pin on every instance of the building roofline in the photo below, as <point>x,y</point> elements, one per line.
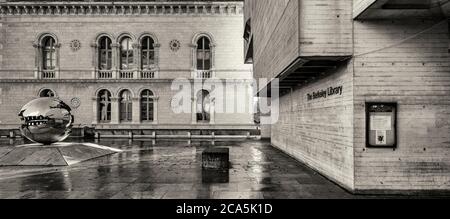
<point>20,8</point>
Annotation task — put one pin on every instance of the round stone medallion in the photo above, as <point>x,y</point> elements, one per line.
<point>175,45</point>
<point>75,102</point>
<point>75,45</point>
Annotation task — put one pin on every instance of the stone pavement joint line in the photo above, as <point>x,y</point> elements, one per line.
<point>172,170</point>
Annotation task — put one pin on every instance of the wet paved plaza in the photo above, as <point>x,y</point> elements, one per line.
<point>172,170</point>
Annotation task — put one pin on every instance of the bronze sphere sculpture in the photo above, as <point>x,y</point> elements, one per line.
<point>46,120</point>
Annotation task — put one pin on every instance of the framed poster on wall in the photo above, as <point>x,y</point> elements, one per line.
<point>381,125</point>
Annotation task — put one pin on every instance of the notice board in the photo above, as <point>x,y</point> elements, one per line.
<point>381,125</point>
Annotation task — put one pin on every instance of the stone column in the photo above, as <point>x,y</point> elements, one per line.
<point>157,46</point>
<point>212,112</point>
<point>155,110</point>
<point>115,115</point>
<point>194,61</point>
<point>95,110</point>
<point>115,59</point>
<point>136,110</point>
<point>213,60</point>
<point>95,60</point>
<point>136,60</point>
<point>57,69</point>
<point>194,110</point>
<point>139,61</point>
<point>37,62</point>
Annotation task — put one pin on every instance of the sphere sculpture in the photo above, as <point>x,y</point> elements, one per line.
<point>46,120</point>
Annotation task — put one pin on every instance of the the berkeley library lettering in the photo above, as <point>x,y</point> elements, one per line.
<point>331,91</point>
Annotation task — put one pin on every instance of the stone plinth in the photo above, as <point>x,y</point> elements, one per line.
<point>61,154</point>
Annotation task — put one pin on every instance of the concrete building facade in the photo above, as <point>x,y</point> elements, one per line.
<point>343,65</point>
<point>114,62</point>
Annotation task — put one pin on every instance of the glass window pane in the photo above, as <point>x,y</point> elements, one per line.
<point>150,43</point>
<point>207,44</point>
<point>207,55</point>
<point>124,44</point>
<point>130,60</point>
<point>144,44</point>
<point>152,57</point>
<point>200,55</point>
<point>200,64</point>
<point>207,65</point>
<point>200,44</point>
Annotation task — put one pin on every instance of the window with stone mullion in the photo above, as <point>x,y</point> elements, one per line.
<point>126,54</point>
<point>147,106</point>
<point>203,54</point>
<point>49,54</point>
<point>105,54</point>
<point>148,53</point>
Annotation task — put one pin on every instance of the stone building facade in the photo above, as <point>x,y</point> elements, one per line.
<point>336,62</point>
<point>114,62</point>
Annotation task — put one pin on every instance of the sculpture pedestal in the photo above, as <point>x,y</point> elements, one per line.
<point>59,154</point>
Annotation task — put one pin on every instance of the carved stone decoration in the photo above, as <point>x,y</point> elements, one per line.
<point>75,102</point>
<point>95,8</point>
<point>75,45</point>
<point>175,45</point>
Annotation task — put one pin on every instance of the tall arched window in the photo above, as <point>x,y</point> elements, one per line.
<point>49,53</point>
<point>204,55</point>
<point>147,53</point>
<point>126,54</point>
<point>203,106</point>
<point>105,53</point>
<point>147,106</point>
<point>104,106</point>
<point>126,106</point>
<point>47,93</point>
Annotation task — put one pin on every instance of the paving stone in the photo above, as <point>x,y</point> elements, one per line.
<point>173,173</point>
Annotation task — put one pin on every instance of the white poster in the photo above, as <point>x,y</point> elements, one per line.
<point>381,138</point>
<point>381,123</point>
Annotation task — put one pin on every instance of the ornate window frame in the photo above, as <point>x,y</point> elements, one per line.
<point>96,72</point>
<point>155,106</point>
<point>199,74</point>
<point>130,110</point>
<point>154,72</point>
<point>39,93</point>
<point>126,73</point>
<point>212,111</point>
<point>39,71</point>
<point>96,107</point>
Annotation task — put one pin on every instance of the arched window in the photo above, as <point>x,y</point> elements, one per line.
<point>204,55</point>
<point>105,53</point>
<point>126,54</point>
<point>49,53</point>
<point>104,106</point>
<point>147,106</point>
<point>126,106</point>
<point>203,106</point>
<point>147,53</point>
<point>47,93</point>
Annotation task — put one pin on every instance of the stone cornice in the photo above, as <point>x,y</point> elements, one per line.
<point>120,81</point>
<point>120,8</point>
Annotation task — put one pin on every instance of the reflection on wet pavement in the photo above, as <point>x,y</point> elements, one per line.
<point>171,170</point>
